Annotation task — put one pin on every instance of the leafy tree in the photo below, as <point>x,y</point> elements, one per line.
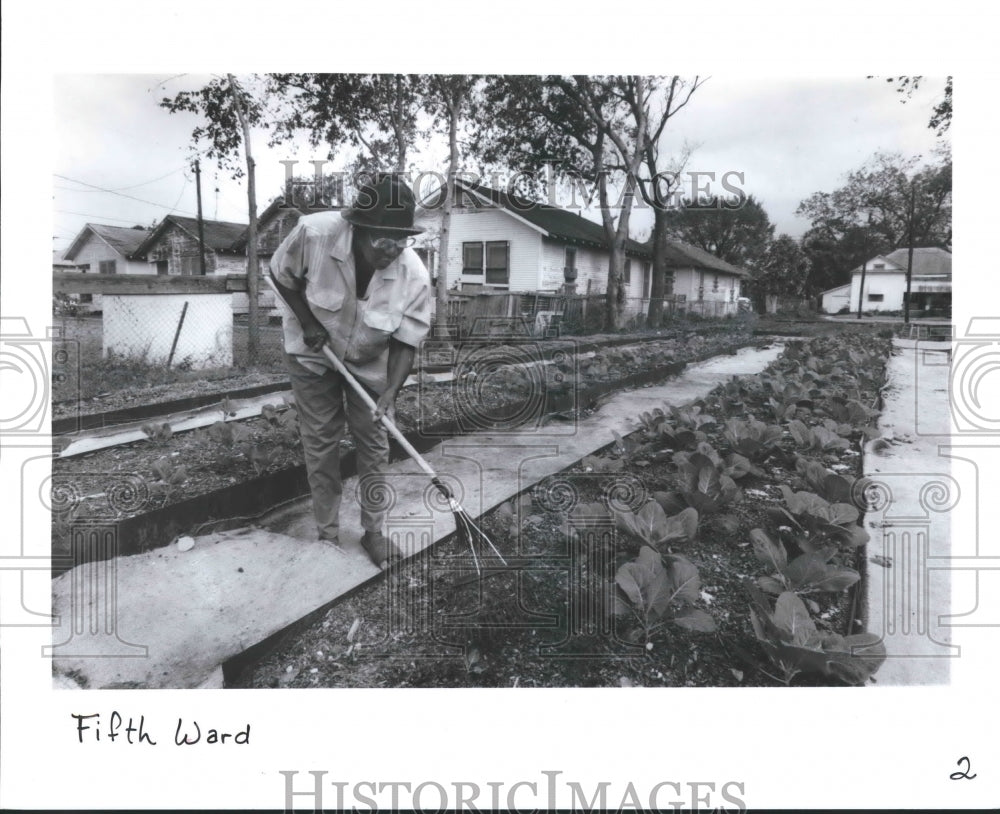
<point>739,235</point>
<point>783,269</point>
<point>587,128</point>
<point>657,189</point>
<point>229,109</point>
<point>377,113</point>
<point>874,213</point>
<point>451,98</point>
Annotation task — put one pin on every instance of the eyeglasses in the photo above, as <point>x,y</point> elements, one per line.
<point>387,244</point>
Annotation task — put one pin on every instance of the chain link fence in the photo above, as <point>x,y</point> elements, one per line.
<point>142,332</point>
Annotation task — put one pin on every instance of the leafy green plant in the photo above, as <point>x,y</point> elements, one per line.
<point>704,487</point>
<point>691,417</point>
<point>818,438</point>
<point>158,433</point>
<point>654,594</point>
<point>820,521</point>
<point>794,645</point>
<point>830,486</point>
<point>810,572</point>
<point>652,527</point>
<point>751,438</point>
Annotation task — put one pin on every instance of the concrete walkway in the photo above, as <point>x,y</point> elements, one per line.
<point>171,618</point>
<point>908,597</point>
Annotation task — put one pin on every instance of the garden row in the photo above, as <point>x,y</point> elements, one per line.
<point>718,544</point>
<point>174,483</point>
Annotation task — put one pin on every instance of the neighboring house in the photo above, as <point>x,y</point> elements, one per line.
<point>100,249</point>
<point>701,277</point>
<point>173,247</point>
<point>835,300</point>
<point>885,282</point>
<point>502,241</point>
<point>273,226</point>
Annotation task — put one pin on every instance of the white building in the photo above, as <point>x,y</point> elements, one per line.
<point>885,282</point>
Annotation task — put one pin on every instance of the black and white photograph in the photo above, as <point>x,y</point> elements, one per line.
<point>590,429</point>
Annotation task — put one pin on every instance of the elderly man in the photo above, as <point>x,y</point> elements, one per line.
<point>349,279</point>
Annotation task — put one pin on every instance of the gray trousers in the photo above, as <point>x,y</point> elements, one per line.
<point>321,401</point>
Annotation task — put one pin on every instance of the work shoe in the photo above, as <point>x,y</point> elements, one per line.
<point>381,550</point>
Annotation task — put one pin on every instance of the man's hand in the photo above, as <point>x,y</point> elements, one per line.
<point>314,335</point>
<point>384,404</point>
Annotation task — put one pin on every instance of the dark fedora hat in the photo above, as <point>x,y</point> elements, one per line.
<point>385,204</point>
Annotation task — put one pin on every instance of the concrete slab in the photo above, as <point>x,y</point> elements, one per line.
<point>168,618</point>
<point>908,598</point>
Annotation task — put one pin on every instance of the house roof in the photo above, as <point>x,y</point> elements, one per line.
<point>273,209</point>
<point>844,287</point>
<point>930,261</point>
<point>220,236</point>
<point>122,239</point>
<point>681,254</point>
<point>560,224</point>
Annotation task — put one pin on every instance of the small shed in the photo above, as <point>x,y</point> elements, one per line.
<point>834,300</point>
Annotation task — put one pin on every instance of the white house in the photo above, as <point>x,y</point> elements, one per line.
<point>502,241</point>
<point>885,282</point>
<point>101,249</point>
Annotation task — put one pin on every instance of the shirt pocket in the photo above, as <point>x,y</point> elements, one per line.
<point>325,297</point>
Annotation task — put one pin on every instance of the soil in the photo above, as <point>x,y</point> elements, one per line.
<point>433,623</point>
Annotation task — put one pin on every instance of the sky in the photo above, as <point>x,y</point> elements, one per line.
<point>123,160</point>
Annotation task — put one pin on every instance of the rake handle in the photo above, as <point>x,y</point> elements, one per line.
<point>386,421</point>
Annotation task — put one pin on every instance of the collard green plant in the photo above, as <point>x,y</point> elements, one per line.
<point>158,433</point>
<point>652,527</point>
<point>792,642</point>
<point>830,486</point>
<point>822,522</point>
<point>751,438</point>
<point>817,439</point>
<point>810,572</point>
<point>657,590</point>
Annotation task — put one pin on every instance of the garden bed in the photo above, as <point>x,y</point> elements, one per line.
<point>229,472</point>
<point>720,545</point>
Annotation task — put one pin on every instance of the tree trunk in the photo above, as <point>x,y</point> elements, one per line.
<point>253,316</point>
<point>441,317</point>
<point>662,283</point>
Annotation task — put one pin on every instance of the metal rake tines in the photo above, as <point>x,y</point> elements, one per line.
<point>474,536</point>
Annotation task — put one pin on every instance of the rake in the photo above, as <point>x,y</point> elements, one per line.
<point>466,528</point>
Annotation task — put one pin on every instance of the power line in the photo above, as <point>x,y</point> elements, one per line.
<point>95,215</point>
<point>122,195</point>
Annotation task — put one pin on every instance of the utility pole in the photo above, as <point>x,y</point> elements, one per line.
<point>909,254</point>
<point>864,265</point>
<point>201,224</point>
<point>253,317</point>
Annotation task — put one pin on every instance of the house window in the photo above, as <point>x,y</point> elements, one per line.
<point>715,283</point>
<point>701,285</point>
<point>472,258</point>
<point>497,263</point>
<point>647,278</point>
<point>879,265</point>
<point>84,268</point>
<point>876,297</point>
<point>570,258</point>
<point>628,271</point>
<point>106,267</point>
<point>161,267</point>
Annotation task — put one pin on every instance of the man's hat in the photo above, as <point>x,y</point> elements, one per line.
<point>386,205</point>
